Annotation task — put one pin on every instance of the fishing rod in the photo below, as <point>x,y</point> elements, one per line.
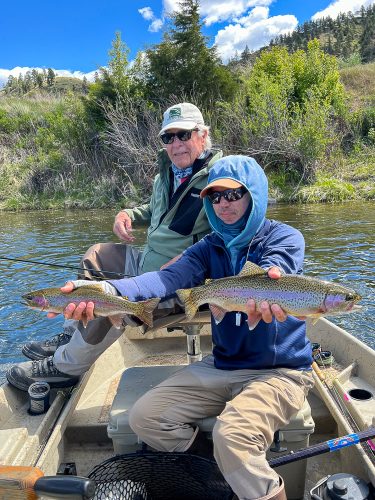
<point>324,447</point>
<point>66,266</point>
<point>367,445</point>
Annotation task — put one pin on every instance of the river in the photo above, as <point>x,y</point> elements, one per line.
<point>339,247</point>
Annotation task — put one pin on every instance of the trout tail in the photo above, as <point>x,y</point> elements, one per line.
<point>146,310</point>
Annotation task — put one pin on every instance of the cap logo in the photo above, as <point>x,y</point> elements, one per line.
<point>175,113</point>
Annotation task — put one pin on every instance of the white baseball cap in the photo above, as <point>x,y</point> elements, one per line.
<point>184,116</point>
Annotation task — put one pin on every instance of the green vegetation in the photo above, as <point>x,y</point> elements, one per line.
<point>350,37</point>
<point>311,125</point>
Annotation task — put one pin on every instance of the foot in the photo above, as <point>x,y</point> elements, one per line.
<point>25,374</point>
<point>46,348</point>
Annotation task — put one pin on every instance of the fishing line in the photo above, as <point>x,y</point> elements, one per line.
<point>66,266</point>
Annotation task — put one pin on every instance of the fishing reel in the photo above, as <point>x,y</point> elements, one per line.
<point>342,486</point>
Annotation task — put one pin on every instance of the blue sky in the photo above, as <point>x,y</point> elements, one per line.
<point>73,36</point>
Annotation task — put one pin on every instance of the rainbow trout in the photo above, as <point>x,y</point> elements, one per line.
<point>297,295</point>
<point>106,304</point>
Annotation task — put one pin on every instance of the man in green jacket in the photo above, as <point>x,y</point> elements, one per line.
<point>175,219</point>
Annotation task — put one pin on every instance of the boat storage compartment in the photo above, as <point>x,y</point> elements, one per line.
<point>137,381</point>
<point>294,436</point>
<point>134,383</point>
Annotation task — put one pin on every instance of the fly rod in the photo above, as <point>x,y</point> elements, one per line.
<point>366,446</point>
<point>325,447</point>
<point>66,266</point>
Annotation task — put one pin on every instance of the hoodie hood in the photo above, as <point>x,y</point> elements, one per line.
<point>250,174</point>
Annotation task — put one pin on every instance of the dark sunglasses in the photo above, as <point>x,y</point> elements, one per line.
<point>183,135</point>
<point>229,195</point>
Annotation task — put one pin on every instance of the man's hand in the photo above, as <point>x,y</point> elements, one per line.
<point>84,311</point>
<point>122,227</point>
<point>267,311</point>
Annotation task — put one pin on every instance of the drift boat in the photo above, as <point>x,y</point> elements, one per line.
<point>88,424</point>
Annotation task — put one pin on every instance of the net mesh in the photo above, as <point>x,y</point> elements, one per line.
<point>159,476</point>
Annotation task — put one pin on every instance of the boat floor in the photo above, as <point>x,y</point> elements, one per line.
<point>87,455</point>
<point>91,416</point>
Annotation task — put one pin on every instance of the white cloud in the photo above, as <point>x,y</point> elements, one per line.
<point>255,30</point>
<point>148,14</point>
<point>5,73</point>
<point>342,6</point>
<point>156,25</point>
<point>228,10</point>
<point>213,11</point>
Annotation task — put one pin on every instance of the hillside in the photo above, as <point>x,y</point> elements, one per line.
<point>350,36</point>
<point>359,82</point>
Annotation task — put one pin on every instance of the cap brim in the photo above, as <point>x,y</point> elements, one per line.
<point>179,125</point>
<point>222,183</point>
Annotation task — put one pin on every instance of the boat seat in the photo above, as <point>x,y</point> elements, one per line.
<point>179,321</point>
<point>136,381</point>
<point>190,327</point>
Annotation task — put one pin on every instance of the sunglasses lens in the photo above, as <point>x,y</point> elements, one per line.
<point>167,138</point>
<point>233,195</point>
<point>214,197</point>
<point>228,194</point>
<point>182,135</point>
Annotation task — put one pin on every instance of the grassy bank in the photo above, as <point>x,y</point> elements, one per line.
<point>56,153</point>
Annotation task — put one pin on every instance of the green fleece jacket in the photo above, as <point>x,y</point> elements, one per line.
<point>177,220</point>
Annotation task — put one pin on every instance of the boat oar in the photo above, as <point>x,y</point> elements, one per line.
<point>20,482</point>
<point>325,447</point>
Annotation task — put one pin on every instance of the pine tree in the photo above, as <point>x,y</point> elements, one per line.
<point>183,65</point>
<point>51,76</point>
<point>367,40</point>
<point>118,65</point>
<point>11,87</point>
<point>85,85</point>
<point>246,55</point>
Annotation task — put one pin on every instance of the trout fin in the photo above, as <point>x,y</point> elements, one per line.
<point>218,313</point>
<point>146,309</point>
<point>251,269</point>
<point>184,294</point>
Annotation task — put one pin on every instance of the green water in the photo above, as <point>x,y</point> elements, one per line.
<point>339,247</point>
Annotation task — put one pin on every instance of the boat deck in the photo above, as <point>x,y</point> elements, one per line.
<point>91,418</point>
<point>74,430</point>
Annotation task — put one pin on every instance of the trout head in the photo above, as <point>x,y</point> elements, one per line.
<point>340,299</point>
<point>35,300</point>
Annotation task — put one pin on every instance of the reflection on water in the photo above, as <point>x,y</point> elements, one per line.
<point>339,247</point>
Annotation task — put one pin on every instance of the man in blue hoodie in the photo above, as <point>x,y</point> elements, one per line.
<point>255,380</point>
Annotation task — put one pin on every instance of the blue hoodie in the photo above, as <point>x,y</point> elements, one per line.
<point>266,243</point>
<point>237,168</point>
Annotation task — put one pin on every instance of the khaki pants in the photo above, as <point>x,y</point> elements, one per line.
<point>250,406</point>
<point>101,261</point>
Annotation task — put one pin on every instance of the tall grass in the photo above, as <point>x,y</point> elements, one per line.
<point>359,82</point>
<point>52,154</point>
